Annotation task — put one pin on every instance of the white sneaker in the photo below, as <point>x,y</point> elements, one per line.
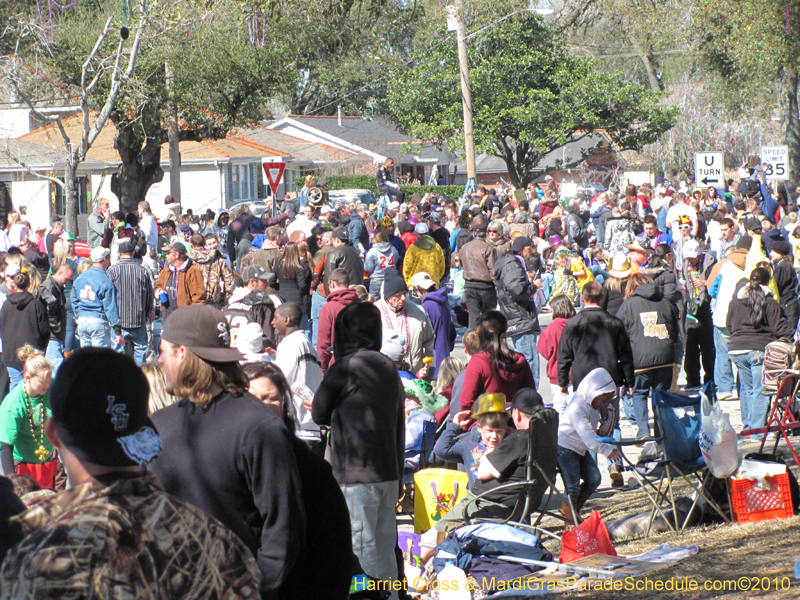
<point>724,395</point>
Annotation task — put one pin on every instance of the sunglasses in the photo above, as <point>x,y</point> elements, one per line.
<point>684,226</point>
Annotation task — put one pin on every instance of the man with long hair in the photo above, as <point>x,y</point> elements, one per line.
<point>225,451</point>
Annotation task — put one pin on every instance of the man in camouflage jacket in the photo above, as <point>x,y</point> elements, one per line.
<point>117,533</point>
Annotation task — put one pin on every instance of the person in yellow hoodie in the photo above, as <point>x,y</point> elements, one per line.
<point>423,256</point>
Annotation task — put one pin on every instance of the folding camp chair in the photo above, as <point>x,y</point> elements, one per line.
<point>429,430</point>
<point>782,415</point>
<point>540,474</point>
<point>679,420</point>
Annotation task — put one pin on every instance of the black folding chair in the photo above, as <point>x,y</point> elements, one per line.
<point>540,475</point>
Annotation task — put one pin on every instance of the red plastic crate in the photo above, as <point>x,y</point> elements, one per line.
<point>751,505</point>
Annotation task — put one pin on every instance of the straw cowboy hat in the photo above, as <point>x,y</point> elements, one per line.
<point>620,267</point>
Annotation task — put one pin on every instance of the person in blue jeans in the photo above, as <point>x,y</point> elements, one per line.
<point>94,303</point>
<point>577,438</point>
<point>58,315</point>
<point>515,293</point>
<point>755,319</point>
<point>135,300</point>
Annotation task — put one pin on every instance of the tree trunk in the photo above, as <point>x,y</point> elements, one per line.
<point>71,197</point>
<point>139,147</point>
<point>505,152</point>
<point>790,126</point>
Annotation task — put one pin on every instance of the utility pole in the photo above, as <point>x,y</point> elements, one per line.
<point>172,136</point>
<point>466,94</point>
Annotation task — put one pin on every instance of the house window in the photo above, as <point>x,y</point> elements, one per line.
<point>240,182</point>
<point>60,198</point>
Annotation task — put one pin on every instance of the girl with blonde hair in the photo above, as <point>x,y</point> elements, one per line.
<point>24,447</point>
<point>159,397</point>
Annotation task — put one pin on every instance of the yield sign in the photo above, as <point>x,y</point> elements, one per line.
<point>273,171</point>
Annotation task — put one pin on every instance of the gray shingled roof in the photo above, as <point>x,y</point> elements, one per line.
<point>373,134</point>
<point>35,156</point>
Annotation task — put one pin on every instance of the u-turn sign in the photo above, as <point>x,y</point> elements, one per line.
<point>709,169</point>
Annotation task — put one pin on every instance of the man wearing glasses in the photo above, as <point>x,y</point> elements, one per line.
<point>180,283</point>
<point>680,207</point>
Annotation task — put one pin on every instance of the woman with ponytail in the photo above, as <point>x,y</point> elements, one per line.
<point>24,447</point>
<point>754,320</point>
<point>496,368</point>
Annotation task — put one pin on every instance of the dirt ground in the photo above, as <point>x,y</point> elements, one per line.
<point>748,560</point>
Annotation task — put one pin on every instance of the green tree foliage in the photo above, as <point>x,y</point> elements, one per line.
<point>529,96</point>
<point>755,45</point>
<point>220,80</point>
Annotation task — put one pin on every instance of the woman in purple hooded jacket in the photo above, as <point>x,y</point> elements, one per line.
<point>434,303</point>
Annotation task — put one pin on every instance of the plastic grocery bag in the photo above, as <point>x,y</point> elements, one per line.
<point>718,440</point>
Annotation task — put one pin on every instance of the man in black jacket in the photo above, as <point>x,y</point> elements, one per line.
<point>361,400</point>
<point>343,256</point>
<point>592,339</point>
<point>514,293</point>
<point>384,183</point>
<point>652,325</point>
<point>225,451</point>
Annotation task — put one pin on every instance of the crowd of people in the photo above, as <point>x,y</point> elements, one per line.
<point>255,388</point>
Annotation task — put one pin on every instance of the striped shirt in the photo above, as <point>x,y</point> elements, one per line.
<point>134,292</point>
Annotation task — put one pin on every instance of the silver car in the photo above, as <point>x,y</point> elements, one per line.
<point>350,196</point>
<point>257,207</point>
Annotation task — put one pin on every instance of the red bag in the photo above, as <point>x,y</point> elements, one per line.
<point>43,474</point>
<point>590,537</point>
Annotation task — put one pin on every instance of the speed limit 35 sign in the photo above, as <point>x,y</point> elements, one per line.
<point>775,162</point>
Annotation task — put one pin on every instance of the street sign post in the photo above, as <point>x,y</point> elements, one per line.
<point>709,169</point>
<point>775,162</point>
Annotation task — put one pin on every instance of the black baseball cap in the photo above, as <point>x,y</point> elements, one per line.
<point>99,402</point>
<point>126,247</point>
<point>527,400</point>
<point>203,330</point>
<point>521,242</point>
<point>753,225</point>
<point>256,272</point>
<point>340,233</point>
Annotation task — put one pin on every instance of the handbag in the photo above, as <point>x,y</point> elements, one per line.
<point>436,492</point>
<point>590,537</point>
<point>779,357</point>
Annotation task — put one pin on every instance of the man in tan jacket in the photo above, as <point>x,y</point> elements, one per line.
<point>180,283</point>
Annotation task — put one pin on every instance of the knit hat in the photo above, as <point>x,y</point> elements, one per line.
<point>744,243</point>
<point>423,391</point>
<point>392,347</point>
<point>393,284</point>
<point>257,226</point>
<point>782,248</point>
